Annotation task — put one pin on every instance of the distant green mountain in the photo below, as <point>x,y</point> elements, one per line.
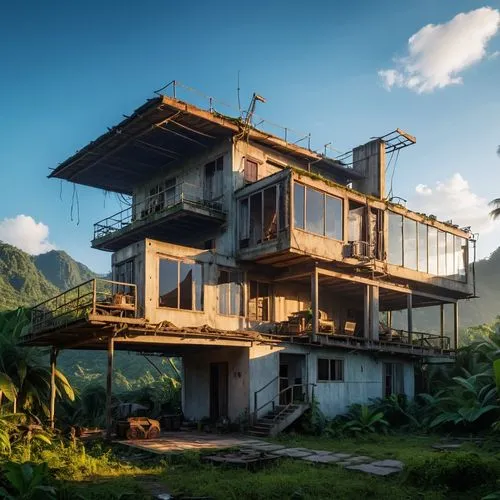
<point>27,280</point>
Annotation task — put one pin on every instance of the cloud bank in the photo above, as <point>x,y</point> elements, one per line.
<point>452,199</point>
<point>439,53</point>
<point>25,233</point>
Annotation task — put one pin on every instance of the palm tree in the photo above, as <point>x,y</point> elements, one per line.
<point>24,374</point>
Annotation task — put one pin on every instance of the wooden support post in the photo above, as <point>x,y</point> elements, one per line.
<point>374,312</point>
<point>389,319</point>
<point>366,312</point>
<point>109,388</point>
<point>455,324</point>
<point>315,304</point>
<point>409,306</point>
<point>52,404</point>
<point>441,324</point>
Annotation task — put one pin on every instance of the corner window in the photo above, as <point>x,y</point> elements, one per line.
<point>259,301</point>
<point>251,173</point>
<point>230,293</point>
<point>395,239</point>
<point>317,212</point>
<point>330,370</point>
<point>180,285</point>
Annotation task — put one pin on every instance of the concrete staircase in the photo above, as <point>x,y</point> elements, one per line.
<point>277,420</point>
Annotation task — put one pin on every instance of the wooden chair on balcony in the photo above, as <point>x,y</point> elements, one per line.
<point>350,328</point>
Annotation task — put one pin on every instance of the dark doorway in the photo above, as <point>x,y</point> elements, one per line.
<point>218,390</point>
<point>292,374</point>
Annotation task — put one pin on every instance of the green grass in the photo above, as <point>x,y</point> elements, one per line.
<point>106,472</point>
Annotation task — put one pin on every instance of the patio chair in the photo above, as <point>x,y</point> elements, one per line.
<point>350,328</point>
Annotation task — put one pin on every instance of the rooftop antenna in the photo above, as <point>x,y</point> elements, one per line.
<point>238,91</point>
<point>251,108</point>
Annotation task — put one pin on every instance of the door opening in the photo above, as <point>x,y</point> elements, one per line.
<point>218,390</point>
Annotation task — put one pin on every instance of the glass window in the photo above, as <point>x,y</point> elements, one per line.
<point>270,215</point>
<point>180,285</point>
<point>410,243</point>
<point>441,253</point>
<point>258,302</point>
<point>256,218</point>
<point>422,248</point>
<point>330,370</point>
<point>298,205</point>
<point>315,211</point>
<point>334,216</point>
<point>244,230</point>
<point>463,259</point>
<point>432,235</point>
<point>230,293</point>
<point>168,283</point>
<point>450,255</point>
<point>393,378</point>
<point>395,239</point>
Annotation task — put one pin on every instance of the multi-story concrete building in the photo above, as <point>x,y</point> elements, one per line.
<point>268,268</point>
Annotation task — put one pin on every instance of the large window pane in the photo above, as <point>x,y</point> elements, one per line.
<point>410,243</point>
<point>168,283</point>
<point>395,239</point>
<point>315,211</point>
<point>450,255</point>
<point>270,215</point>
<point>463,260</point>
<point>422,248</point>
<point>256,218</point>
<point>334,216</point>
<point>433,250</point>
<point>441,253</point>
<point>298,205</point>
<point>230,293</point>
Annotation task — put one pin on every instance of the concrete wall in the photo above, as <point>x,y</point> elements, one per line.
<point>196,381</point>
<point>363,376</point>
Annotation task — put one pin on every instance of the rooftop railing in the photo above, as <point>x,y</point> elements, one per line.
<point>96,296</point>
<point>156,203</point>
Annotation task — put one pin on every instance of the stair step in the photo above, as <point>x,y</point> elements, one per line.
<point>258,433</point>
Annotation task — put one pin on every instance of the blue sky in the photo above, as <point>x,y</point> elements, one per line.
<point>68,70</point>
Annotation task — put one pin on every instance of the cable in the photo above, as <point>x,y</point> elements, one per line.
<point>393,171</point>
<point>73,199</point>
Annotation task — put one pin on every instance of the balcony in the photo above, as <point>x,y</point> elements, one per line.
<point>178,214</point>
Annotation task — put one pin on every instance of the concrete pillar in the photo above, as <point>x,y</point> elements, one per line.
<point>109,388</point>
<point>366,312</point>
<point>52,404</point>
<point>389,319</point>
<point>455,324</point>
<point>315,304</point>
<point>441,324</point>
<point>374,312</point>
<point>409,306</point>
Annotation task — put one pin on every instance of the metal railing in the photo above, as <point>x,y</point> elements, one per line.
<point>96,296</point>
<point>423,340</point>
<point>155,204</point>
<point>177,90</point>
<point>304,398</point>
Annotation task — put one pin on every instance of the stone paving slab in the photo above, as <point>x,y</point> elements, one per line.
<point>343,455</point>
<point>373,469</point>
<point>269,447</point>
<point>396,464</point>
<point>292,453</point>
<point>360,459</point>
<point>321,459</point>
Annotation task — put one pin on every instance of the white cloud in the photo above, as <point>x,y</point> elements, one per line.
<point>452,199</point>
<point>438,53</point>
<point>25,233</point>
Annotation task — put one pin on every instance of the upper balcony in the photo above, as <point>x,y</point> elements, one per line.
<point>176,213</point>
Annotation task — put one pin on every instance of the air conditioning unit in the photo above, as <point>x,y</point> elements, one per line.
<point>359,250</point>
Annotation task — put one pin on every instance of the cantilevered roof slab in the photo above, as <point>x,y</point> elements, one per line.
<point>163,132</point>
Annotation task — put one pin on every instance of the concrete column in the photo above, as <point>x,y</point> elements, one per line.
<point>109,388</point>
<point>441,324</point>
<point>409,306</point>
<point>455,324</point>
<point>366,312</point>
<point>374,312</point>
<point>389,319</point>
<point>315,304</point>
<point>52,406</point>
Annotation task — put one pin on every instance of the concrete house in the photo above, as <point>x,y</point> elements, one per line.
<point>273,271</point>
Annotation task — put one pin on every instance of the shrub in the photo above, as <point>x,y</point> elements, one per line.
<point>458,471</point>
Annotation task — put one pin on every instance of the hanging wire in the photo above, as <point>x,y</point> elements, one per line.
<point>75,200</point>
<point>60,190</point>
<point>393,171</point>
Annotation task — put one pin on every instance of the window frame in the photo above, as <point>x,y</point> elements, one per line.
<point>249,179</point>
<point>331,361</point>
<point>303,216</point>
<point>268,297</point>
<point>179,262</point>
<point>240,282</point>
